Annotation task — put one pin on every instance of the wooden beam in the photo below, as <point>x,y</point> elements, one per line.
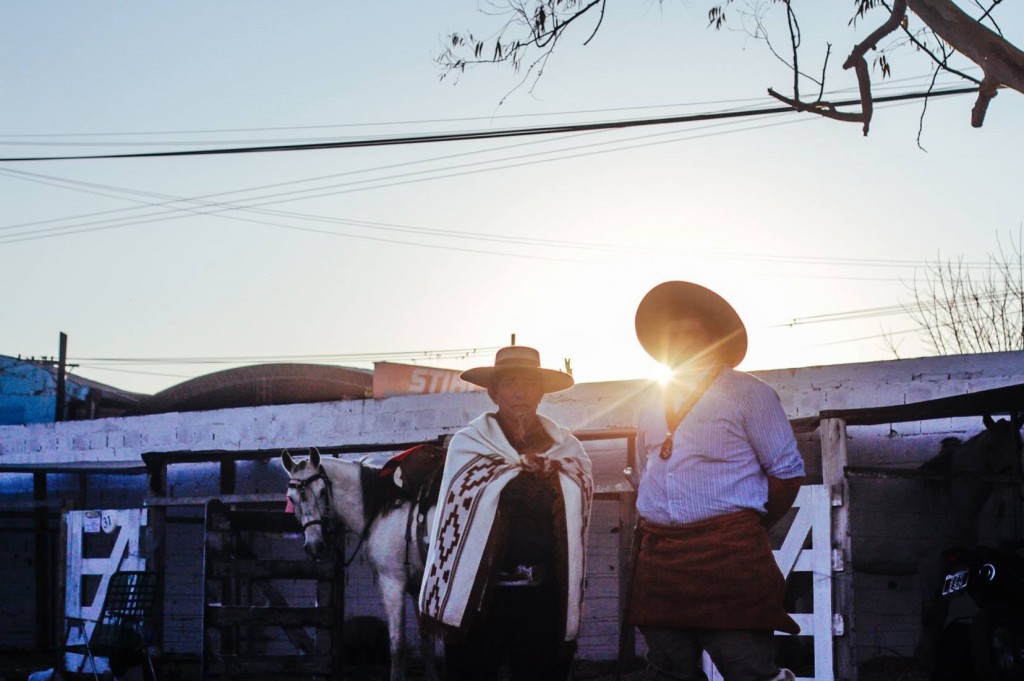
<point>833,467</point>
<point>44,618</point>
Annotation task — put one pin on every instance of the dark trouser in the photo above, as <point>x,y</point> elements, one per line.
<point>739,654</point>
<point>524,626</point>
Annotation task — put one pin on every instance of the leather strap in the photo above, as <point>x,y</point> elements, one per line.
<point>674,417</point>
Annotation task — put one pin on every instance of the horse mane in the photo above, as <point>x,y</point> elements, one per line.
<point>380,497</point>
<point>421,481</point>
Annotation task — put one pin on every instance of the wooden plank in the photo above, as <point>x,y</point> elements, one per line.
<point>821,567</point>
<point>892,473</point>
<point>220,616</point>
<point>270,569</point>
<point>258,665</point>
<point>833,465</point>
<point>258,521</point>
<point>152,459</point>
<point>627,526</point>
<point>297,635</point>
<point>787,555</point>
<point>263,498</point>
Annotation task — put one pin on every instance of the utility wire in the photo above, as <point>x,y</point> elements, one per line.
<point>219,207</point>
<point>888,84</point>
<point>480,135</point>
<point>451,353</point>
<point>887,310</point>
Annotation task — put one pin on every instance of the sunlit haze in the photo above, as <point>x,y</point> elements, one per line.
<point>161,269</point>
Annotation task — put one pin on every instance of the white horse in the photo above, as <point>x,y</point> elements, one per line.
<point>325,491</point>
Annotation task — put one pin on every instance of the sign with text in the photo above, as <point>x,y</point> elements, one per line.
<point>391,379</point>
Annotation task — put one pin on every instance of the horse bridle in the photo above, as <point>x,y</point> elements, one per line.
<point>327,523</point>
<point>301,485</point>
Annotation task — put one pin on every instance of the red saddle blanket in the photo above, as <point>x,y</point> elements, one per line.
<point>415,472</point>
<point>714,574</point>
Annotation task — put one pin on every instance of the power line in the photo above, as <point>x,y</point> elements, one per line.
<point>480,135</point>
<point>888,84</point>
<point>888,310</point>
<point>219,207</point>
<point>412,355</point>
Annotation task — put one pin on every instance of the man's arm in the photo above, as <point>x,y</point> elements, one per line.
<point>781,494</point>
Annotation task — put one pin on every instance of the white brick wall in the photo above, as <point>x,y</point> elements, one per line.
<point>804,392</point>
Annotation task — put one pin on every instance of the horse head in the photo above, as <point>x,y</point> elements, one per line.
<point>310,493</point>
<point>1003,444</point>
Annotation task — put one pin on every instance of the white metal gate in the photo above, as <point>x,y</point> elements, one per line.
<point>125,554</point>
<point>813,519</point>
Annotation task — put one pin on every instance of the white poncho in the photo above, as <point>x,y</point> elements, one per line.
<point>480,463</point>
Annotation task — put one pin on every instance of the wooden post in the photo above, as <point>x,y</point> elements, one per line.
<point>627,524</point>
<point>833,465</point>
<point>62,365</point>
<point>627,633</point>
<point>43,569</point>
<point>156,547</point>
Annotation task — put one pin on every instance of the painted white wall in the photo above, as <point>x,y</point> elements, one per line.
<point>804,392</point>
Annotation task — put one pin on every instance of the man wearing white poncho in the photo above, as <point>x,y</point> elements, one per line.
<point>505,570</point>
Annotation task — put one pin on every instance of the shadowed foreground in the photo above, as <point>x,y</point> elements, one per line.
<point>17,667</point>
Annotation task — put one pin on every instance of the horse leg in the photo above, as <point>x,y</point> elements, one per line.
<point>427,653</point>
<point>934,608</point>
<point>392,591</point>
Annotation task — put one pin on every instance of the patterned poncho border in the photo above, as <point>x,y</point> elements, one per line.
<point>480,463</point>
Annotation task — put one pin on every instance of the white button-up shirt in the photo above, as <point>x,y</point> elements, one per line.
<point>724,451</point>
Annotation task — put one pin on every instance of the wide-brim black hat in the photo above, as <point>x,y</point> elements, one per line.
<point>674,300</point>
<point>518,357</point>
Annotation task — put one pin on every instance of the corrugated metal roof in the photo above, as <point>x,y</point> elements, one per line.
<point>262,385</point>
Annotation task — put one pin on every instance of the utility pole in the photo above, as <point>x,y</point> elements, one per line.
<point>61,368</point>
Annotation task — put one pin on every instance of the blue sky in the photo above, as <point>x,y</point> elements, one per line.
<point>442,247</point>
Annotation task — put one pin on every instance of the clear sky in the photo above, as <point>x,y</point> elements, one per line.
<point>344,256</point>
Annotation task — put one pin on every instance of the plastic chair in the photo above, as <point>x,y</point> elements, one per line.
<point>121,631</point>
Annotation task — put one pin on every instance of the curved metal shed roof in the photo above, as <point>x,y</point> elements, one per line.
<point>262,385</point>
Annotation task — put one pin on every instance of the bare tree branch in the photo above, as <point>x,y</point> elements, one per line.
<point>823,109</point>
<point>857,62</point>
<point>961,311</point>
<point>539,25</point>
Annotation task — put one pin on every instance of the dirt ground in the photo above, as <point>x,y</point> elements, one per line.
<point>17,667</point>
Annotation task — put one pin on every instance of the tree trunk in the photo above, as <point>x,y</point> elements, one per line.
<point>1001,61</point>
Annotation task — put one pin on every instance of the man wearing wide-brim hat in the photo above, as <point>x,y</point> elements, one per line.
<point>717,466</point>
<point>505,571</point>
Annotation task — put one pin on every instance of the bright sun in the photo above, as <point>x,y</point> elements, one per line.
<point>662,374</point>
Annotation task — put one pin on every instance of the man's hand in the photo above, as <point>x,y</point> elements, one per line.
<point>536,463</point>
<point>781,494</point>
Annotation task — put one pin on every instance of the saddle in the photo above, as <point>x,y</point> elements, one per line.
<point>415,475</point>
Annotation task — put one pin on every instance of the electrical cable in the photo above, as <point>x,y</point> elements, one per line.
<point>476,135</point>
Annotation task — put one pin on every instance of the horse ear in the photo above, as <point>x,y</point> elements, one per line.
<point>314,457</point>
<point>287,461</point>
<point>987,420</point>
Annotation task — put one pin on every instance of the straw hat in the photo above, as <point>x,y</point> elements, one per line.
<point>518,357</point>
<point>674,300</point>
